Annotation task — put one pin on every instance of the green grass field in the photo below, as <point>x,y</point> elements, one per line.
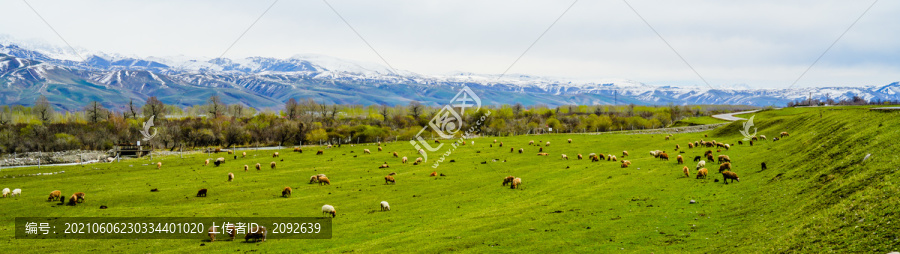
<point>817,196</point>
<point>700,120</point>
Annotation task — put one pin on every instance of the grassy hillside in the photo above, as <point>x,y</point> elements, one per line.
<point>816,195</point>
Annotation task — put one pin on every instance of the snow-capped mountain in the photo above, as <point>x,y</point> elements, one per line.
<point>72,80</point>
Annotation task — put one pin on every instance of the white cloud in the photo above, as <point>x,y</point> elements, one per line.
<point>758,43</point>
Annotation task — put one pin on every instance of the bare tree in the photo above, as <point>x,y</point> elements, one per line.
<point>95,111</point>
<point>415,109</point>
<point>154,107</point>
<point>42,109</point>
<point>290,108</point>
<point>131,109</point>
<point>517,109</point>
<point>237,110</point>
<point>215,106</point>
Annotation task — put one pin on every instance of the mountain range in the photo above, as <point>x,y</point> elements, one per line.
<point>70,81</point>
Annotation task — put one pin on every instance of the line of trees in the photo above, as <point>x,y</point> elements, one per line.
<point>856,100</point>
<point>41,128</point>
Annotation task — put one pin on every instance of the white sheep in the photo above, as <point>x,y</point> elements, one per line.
<point>5,192</point>
<point>329,209</point>
<point>16,192</point>
<point>701,164</point>
<point>385,206</point>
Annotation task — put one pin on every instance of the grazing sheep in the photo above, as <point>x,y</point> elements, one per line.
<point>696,143</point>
<point>16,192</point>
<point>404,159</point>
<point>763,137</point>
<point>212,233</point>
<point>328,209</point>
<point>298,150</point>
<point>73,200</point>
<point>531,142</point>
<point>775,139</point>
<point>219,161</point>
<point>366,151</point>
<point>396,155</point>
<point>667,137</point>
<point>686,171</point>
<point>201,193</point>
<point>730,175</point>
<point>625,163</point>
<point>727,146</point>
<point>570,141</point>
<point>79,196</point>
<point>521,150</point>
<point>697,158</point>
<point>258,167</point>
<point>754,138</point>
<point>690,145</point>
<point>724,158</point>
<point>764,166</point>
<point>515,183</point>
<point>244,154</point>
<point>724,167</point>
<point>286,192</point>
<point>313,179</point>
<point>495,141</point>
<point>565,157</point>
<point>541,149</point>
<point>55,195</point>
<point>543,154</point>
<point>320,152</point>
<point>664,156</point>
<point>508,180</point>
<point>419,160</point>
<point>256,233</point>
<point>275,155</point>
<point>701,164</point>
<point>433,173</point>
<point>624,153</point>
<point>246,168</point>
<point>611,157</point>
<point>380,149</point>
<point>701,173</point>
<point>206,162</point>
<point>436,141</point>
<point>389,179</point>
<point>385,165</point>
<point>679,159</point>
<point>385,206</point>
<point>740,142</point>
<point>548,143</point>
<point>329,146</point>
<point>158,165</point>
<point>655,154</point>
<point>324,180</point>
<point>751,142</point>
<point>580,157</point>
<point>5,192</point>
<point>272,165</point>
<point>230,176</point>
<point>501,145</point>
<point>709,157</point>
<point>784,134</point>
<point>677,147</point>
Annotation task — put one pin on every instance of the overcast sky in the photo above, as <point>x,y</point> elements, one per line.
<point>754,43</point>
